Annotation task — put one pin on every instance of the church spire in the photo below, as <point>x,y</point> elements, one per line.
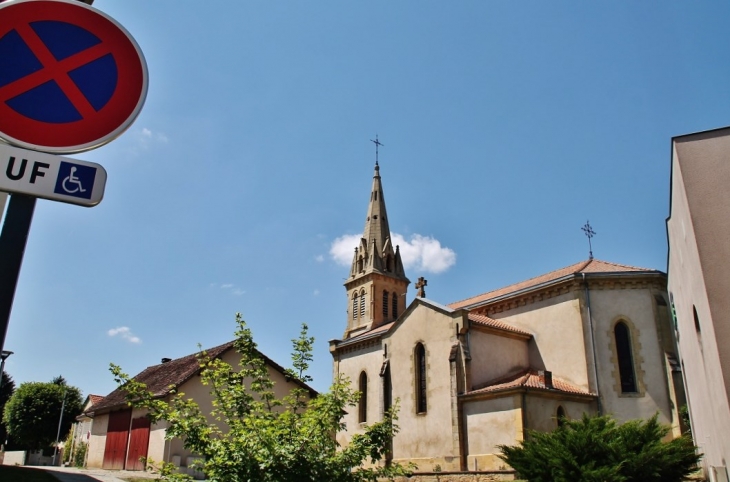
<point>377,283</point>
<point>376,221</point>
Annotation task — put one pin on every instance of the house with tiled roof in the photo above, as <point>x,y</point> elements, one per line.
<point>120,435</point>
<point>593,337</point>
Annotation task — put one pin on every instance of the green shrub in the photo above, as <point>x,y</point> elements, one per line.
<point>597,449</point>
<point>80,454</point>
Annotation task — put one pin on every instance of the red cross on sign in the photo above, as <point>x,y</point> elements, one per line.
<point>71,78</point>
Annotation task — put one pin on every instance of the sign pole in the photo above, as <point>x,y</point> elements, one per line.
<point>13,238</point>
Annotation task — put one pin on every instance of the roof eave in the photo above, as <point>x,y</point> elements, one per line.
<point>561,280</point>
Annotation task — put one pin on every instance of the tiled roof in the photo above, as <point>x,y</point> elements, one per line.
<point>492,323</point>
<point>589,266</point>
<point>161,379</point>
<point>94,399</point>
<point>532,379</point>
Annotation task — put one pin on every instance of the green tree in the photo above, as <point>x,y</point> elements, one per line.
<point>597,449</point>
<point>252,435</point>
<point>6,391</point>
<point>32,413</point>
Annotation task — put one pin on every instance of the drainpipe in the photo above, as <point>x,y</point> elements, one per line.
<point>593,342</point>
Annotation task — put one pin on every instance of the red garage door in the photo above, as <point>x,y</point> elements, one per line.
<point>116,440</point>
<point>138,442</point>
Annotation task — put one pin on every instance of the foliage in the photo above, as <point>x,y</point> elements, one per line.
<point>166,470</point>
<point>598,449</point>
<point>6,391</point>
<point>68,446</point>
<point>32,413</point>
<point>684,416</point>
<point>79,455</point>
<point>253,435</point>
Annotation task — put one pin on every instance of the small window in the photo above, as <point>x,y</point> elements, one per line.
<point>354,306</point>
<point>421,392</point>
<point>387,390</point>
<point>386,295</point>
<point>362,304</point>
<point>698,328</point>
<point>395,306</point>
<point>625,358</point>
<point>363,405</point>
<point>561,416</point>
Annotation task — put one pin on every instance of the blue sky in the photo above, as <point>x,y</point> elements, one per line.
<point>506,125</point>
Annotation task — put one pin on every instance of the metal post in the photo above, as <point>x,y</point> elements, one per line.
<point>60,419</point>
<point>3,355</point>
<point>13,239</point>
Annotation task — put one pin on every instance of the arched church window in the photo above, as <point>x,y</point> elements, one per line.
<point>625,358</point>
<point>420,361</point>
<point>395,306</point>
<point>362,304</point>
<point>354,306</point>
<point>359,263</point>
<point>698,328</point>
<point>387,390</point>
<point>389,263</point>
<point>386,295</point>
<point>363,404</point>
<point>561,415</point>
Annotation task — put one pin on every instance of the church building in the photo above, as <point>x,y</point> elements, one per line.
<point>593,337</point>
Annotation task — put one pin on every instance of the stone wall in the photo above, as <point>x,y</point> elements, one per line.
<point>459,476</point>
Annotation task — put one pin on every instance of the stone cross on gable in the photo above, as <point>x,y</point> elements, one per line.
<point>422,283</point>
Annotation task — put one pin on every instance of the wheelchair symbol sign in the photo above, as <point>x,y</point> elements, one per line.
<point>75,180</point>
<point>51,177</point>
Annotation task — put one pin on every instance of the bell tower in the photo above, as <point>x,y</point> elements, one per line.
<point>377,284</point>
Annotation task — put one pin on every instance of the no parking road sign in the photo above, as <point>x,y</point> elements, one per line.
<point>71,78</point>
<point>51,177</point>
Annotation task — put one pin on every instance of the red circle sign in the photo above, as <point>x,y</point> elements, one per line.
<point>71,78</point>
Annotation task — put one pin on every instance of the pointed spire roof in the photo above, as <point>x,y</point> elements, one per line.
<point>376,222</point>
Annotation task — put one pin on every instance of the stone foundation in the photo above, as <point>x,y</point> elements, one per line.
<point>459,476</point>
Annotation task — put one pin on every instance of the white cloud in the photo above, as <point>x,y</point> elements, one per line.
<point>319,258</point>
<point>422,253</point>
<point>233,289</point>
<point>125,333</point>
<point>343,248</point>
<point>146,138</point>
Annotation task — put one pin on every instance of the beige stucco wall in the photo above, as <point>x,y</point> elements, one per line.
<point>369,359</point>
<point>428,436</point>
<point>494,356</point>
<point>490,423</point>
<point>97,441</point>
<point>559,342</point>
<point>542,412</point>
<point>636,308</point>
<point>698,264</point>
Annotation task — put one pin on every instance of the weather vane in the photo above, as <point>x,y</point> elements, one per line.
<point>588,230</point>
<point>377,144</point>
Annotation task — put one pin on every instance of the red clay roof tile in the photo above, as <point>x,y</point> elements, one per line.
<point>492,323</point>
<point>529,379</point>
<point>589,266</point>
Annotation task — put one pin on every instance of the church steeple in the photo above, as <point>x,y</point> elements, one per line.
<point>377,283</point>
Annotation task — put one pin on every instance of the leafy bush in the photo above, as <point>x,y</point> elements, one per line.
<point>252,435</point>
<point>80,454</point>
<point>597,449</point>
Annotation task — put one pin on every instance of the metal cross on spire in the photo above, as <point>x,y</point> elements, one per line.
<point>422,283</point>
<point>588,230</point>
<point>377,144</point>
